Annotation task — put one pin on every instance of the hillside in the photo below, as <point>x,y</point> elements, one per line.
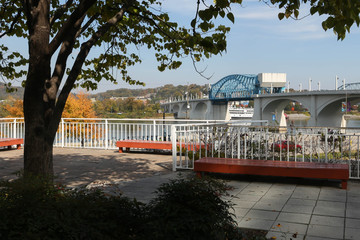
<point>155,94</point>
<point>17,94</point>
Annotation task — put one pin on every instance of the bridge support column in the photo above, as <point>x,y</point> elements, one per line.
<point>218,112</point>
<point>257,109</point>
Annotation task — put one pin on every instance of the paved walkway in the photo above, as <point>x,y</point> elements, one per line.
<point>287,208</point>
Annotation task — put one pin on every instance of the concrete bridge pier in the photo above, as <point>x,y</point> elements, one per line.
<point>266,113</point>
<point>198,109</point>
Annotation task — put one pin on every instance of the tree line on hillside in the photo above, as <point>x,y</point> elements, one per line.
<point>81,106</point>
<point>17,93</point>
<point>155,94</point>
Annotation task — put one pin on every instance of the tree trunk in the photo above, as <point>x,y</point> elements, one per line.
<point>38,146</point>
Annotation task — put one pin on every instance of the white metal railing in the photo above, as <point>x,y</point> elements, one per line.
<point>99,132</point>
<point>233,140</point>
<point>12,128</point>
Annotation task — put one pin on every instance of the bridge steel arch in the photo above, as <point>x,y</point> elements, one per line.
<point>324,106</point>
<point>235,87</point>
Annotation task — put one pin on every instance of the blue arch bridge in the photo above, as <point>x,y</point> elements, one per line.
<point>270,98</point>
<point>238,87</point>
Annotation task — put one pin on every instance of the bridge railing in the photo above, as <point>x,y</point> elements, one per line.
<point>231,140</point>
<point>100,132</point>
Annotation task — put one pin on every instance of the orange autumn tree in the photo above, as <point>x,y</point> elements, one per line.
<point>14,108</point>
<point>79,106</point>
<point>80,130</point>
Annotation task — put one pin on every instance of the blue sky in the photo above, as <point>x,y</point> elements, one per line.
<point>258,42</point>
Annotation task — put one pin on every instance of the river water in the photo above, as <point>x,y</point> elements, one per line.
<point>302,122</point>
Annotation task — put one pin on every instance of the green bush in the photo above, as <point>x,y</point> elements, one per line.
<point>35,209</point>
<point>191,209</point>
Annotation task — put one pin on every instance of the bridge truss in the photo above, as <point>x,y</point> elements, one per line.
<point>237,87</point>
<point>350,86</point>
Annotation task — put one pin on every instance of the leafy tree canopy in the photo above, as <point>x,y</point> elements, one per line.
<point>342,15</point>
<point>58,30</point>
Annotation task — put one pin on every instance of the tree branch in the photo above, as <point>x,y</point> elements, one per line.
<point>76,69</point>
<point>87,24</point>
<point>12,24</point>
<point>79,13</point>
<point>60,11</point>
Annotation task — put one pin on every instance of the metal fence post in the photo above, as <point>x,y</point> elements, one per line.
<point>14,128</point>
<point>154,131</point>
<point>62,133</point>
<point>106,134</point>
<point>326,144</point>
<point>173,143</point>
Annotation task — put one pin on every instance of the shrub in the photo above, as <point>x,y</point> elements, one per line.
<point>191,209</point>
<point>35,209</point>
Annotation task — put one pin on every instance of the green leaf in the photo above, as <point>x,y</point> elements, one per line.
<point>281,16</point>
<point>231,17</point>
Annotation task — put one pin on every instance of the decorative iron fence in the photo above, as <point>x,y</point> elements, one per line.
<point>235,140</point>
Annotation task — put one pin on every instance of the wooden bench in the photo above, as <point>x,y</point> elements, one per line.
<point>159,145</point>
<point>274,168</point>
<point>8,142</point>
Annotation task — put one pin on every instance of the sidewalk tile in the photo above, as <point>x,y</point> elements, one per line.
<point>254,191</point>
<point>352,233</point>
<point>253,223</point>
<point>333,196</point>
<point>240,212</point>
<point>325,231</point>
<point>284,236</point>
<point>242,204</point>
<point>298,208</point>
<point>269,205</point>
<point>294,217</point>
<point>353,213</point>
<point>329,211</point>
<point>279,200</point>
<point>283,187</point>
<point>297,201</point>
<point>288,227</point>
<point>306,193</point>
<point>333,204</point>
<point>247,197</point>
<point>320,238</point>
<point>261,214</point>
<point>352,223</point>
<point>327,221</point>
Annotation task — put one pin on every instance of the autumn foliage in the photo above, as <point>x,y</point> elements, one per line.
<point>13,108</point>
<point>79,106</point>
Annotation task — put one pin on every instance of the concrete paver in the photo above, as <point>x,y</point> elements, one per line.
<point>327,221</point>
<point>283,236</point>
<point>311,210</point>
<point>260,224</point>
<point>352,233</point>
<point>270,205</point>
<point>288,227</point>
<point>294,217</point>
<point>352,223</point>
<point>261,214</point>
<point>321,238</point>
<point>295,208</point>
<point>325,231</point>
